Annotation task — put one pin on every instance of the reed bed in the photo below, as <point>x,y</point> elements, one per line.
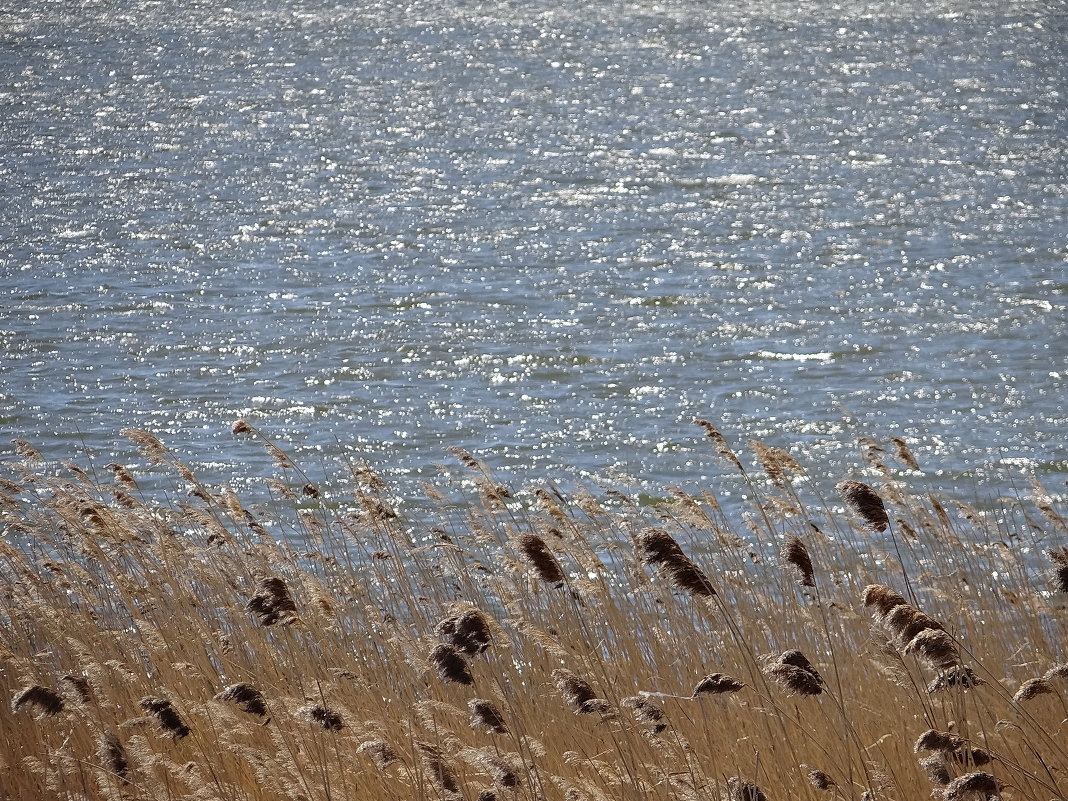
<point>308,642</point>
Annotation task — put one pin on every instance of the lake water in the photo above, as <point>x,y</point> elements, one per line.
<point>552,237</point>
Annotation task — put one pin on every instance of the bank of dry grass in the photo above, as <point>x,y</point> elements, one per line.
<point>309,643</point>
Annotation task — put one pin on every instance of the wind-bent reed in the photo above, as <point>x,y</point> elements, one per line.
<point>310,639</point>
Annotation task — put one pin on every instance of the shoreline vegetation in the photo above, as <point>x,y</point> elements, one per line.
<point>312,644</point>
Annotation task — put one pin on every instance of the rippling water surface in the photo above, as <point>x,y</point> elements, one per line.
<point>551,237</point>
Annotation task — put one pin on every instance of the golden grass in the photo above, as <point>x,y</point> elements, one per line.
<point>526,644</point>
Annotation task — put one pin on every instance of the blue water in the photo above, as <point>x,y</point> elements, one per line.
<point>551,237</point>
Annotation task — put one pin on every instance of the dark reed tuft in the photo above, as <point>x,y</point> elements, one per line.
<point>1032,688</point>
<point>1059,671</point>
<point>484,714</point>
<point>882,598</point>
<point>934,740</point>
<point>44,702</point>
<point>795,674</point>
<point>936,769</point>
<point>487,795</point>
<point>272,604</point>
<point>537,553</point>
<point>112,756</point>
<point>467,630</point>
<point>657,549</point>
<point>820,780</point>
<point>379,752</point>
<point>247,698</point>
<point>241,427</point>
<point>75,689</point>
<point>904,453</point>
<point>972,784</point>
<point>795,552</point>
<point>437,769</point>
<point>906,621</point>
<point>959,676</point>
<point>575,689</point>
<point>327,718</point>
<point>739,789</point>
<point>935,647</point>
<point>717,684</point>
<point>864,502</point>
<point>646,712</point>
<point>165,714</point>
<point>450,664</point>
<point>502,773</point>
<point>1059,559</point>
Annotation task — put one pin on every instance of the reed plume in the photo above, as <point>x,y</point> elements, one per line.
<point>112,755</point>
<point>538,555</point>
<point>44,702</point>
<point>437,768</point>
<point>1059,558</point>
<point>657,549</point>
<point>1032,688</point>
<point>75,689</point>
<point>450,664</point>
<point>720,443</point>
<point>820,780</point>
<point>646,712</point>
<point>717,684</point>
<point>971,785</point>
<point>272,603</point>
<point>882,598</point>
<point>578,693</point>
<point>959,676</point>
<point>326,718</point>
<point>795,552</point>
<point>865,502</point>
<point>467,629</point>
<point>739,789</point>
<point>380,752</point>
<point>934,765</point>
<point>170,723</point>
<point>795,674</point>
<point>245,697</point>
<point>484,714</point>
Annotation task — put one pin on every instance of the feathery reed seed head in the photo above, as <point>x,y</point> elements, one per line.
<point>467,630</point>
<point>1059,559</point>
<point>935,647</point>
<point>959,676</point>
<point>241,427</point>
<point>934,740</point>
<point>75,689</point>
<point>484,714</point>
<point>936,769</point>
<point>882,598</point>
<point>1032,688</point>
<point>163,711</point>
<point>272,604</point>
<point>112,755</point>
<point>658,550</point>
<point>450,664</point>
<point>44,702</point>
<point>538,555</point>
<point>327,718</point>
<point>739,789</point>
<point>717,684</point>
<point>970,785</point>
<point>379,752</point>
<point>820,780</point>
<point>247,698</point>
<point>865,502</point>
<point>575,689</point>
<point>795,674</point>
<point>795,552</point>
<point>436,768</point>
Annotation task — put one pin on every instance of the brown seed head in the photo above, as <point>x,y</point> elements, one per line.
<point>272,603</point>
<point>112,756</point>
<point>247,698</point>
<point>538,555</point>
<point>1031,689</point>
<point>717,684</point>
<point>1059,559</point>
<point>657,549</point>
<point>44,702</point>
<point>327,718</point>
<point>936,769</point>
<point>450,664</point>
<point>484,714</point>
<point>575,689</point>
<point>436,768</point>
<point>865,502</point>
<point>795,553</point>
<point>740,790</point>
<point>380,753</point>
<point>882,598</point>
<point>75,689</point>
<point>241,427</point>
<point>934,740</point>
<point>163,711</point>
<point>820,780</point>
<point>466,629</point>
<point>906,621</point>
<point>971,784</point>
<point>720,443</point>
<point>959,676</point>
<point>935,647</point>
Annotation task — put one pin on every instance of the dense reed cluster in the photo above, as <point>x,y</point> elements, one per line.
<point>163,638</point>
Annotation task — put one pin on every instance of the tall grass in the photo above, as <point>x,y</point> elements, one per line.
<point>310,643</point>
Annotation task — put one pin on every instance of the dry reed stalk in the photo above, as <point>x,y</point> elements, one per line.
<point>795,552</point>
<point>450,664</point>
<point>538,555</point>
<point>170,723</point>
<point>865,502</point>
<point>272,604</point>
<point>44,702</point>
<point>657,549</point>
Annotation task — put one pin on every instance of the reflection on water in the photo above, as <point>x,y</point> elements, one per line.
<point>551,237</point>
